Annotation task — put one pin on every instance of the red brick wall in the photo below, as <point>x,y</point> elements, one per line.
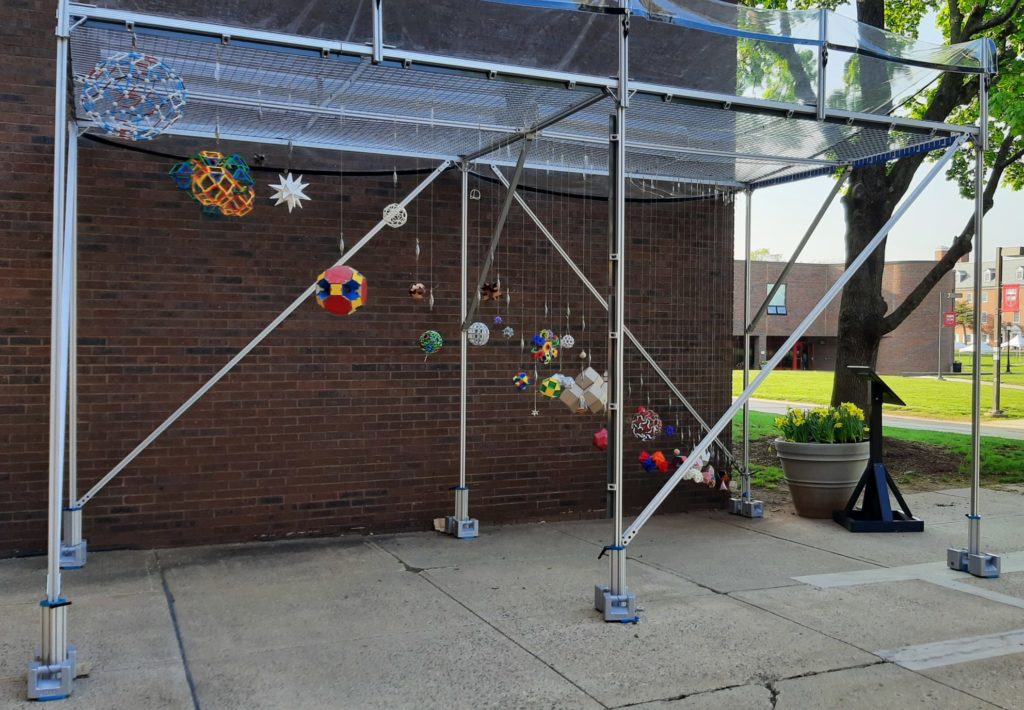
<point>332,424</point>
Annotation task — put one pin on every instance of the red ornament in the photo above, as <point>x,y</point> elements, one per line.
<point>601,439</point>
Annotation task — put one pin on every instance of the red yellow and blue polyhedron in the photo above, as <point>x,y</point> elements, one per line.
<point>133,96</point>
<point>341,290</point>
<point>220,184</point>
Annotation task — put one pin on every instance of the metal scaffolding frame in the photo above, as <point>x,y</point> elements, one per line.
<point>51,673</point>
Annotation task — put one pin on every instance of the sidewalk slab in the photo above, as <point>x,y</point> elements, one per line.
<point>162,687</point>
<point>451,667</point>
<point>887,615</point>
<point>997,680</point>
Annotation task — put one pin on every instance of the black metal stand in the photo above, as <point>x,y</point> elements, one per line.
<point>876,513</point>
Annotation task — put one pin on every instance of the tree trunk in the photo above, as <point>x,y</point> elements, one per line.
<point>861,308</point>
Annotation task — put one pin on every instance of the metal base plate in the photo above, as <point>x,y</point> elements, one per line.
<point>52,683</point>
<point>462,529</point>
<point>73,556</point>
<point>980,565</point>
<point>746,508</point>
<point>853,522</point>
<point>615,607</point>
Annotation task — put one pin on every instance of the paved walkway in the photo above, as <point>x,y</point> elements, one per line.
<point>781,613</point>
<point>1009,428</point>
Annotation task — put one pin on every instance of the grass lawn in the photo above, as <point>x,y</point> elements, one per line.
<point>1016,376</point>
<point>926,397</point>
<point>1002,460</point>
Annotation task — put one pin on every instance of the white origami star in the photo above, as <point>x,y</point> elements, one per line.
<point>290,191</point>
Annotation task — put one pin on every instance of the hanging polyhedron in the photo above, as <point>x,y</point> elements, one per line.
<point>289,191</point>
<point>490,292</point>
<point>478,334</point>
<point>508,331</point>
<point>646,424</point>
<point>431,341</point>
<point>550,387</point>
<point>521,381</point>
<point>395,215</point>
<point>133,95</point>
<point>545,346</point>
<point>418,292</point>
<point>218,183</point>
<point>568,341</point>
<point>341,290</point>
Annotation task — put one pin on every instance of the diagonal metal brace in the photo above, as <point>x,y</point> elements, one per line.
<point>208,385</point>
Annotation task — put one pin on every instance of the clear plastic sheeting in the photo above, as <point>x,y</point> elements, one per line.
<point>438,107</point>
<point>856,37</point>
<point>792,26</point>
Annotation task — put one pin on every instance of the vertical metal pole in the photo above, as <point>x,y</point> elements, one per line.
<point>51,674</point>
<point>73,549</point>
<point>614,599</point>
<point>996,409</point>
<point>460,524</point>
<point>377,49</point>
<point>974,520</point>
<point>822,61</point>
<point>938,344</point>
<point>745,486</point>
<point>461,511</point>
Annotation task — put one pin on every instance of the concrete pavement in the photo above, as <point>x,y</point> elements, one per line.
<point>776,613</point>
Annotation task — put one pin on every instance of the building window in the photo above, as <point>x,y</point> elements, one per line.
<point>1019,273</point>
<point>984,296</point>
<point>990,274</point>
<point>1016,317</point>
<point>970,339</point>
<point>984,316</point>
<point>777,306</point>
<point>961,276</point>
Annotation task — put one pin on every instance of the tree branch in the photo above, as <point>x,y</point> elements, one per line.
<point>975,25</point>
<point>961,245</point>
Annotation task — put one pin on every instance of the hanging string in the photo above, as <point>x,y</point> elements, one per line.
<point>341,179</point>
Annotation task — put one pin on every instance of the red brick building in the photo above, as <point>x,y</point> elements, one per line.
<point>913,347</point>
<point>332,424</point>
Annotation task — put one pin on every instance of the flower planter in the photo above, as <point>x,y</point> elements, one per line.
<point>821,477</point>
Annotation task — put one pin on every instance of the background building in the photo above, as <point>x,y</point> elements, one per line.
<point>919,345</point>
<point>1013,274</point>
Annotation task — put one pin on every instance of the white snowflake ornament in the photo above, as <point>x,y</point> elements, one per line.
<point>289,191</point>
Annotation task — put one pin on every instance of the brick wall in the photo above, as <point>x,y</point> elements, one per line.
<point>909,348</point>
<point>332,424</point>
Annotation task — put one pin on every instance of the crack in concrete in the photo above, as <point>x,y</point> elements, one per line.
<point>177,632</point>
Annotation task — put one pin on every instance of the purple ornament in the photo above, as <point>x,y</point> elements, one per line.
<point>498,320</point>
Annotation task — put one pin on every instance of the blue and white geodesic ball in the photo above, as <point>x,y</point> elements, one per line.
<point>568,341</point>
<point>478,334</point>
<point>133,95</point>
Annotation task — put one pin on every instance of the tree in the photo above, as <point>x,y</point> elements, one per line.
<point>964,316</point>
<point>874,192</point>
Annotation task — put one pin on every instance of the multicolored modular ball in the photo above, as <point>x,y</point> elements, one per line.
<point>341,290</point>
<point>133,95</point>
<point>646,424</point>
<point>220,184</point>
<point>478,334</point>
<point>521,381</point>
<point>431,341</point>
<point>550,387</point>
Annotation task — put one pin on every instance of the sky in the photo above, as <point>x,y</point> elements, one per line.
<point>781,214</point>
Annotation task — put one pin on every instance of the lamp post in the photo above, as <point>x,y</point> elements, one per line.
<point>942,324</point>
<point>1000,253</point>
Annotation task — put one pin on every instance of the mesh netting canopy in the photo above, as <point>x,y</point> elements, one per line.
<point>462,79</point>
